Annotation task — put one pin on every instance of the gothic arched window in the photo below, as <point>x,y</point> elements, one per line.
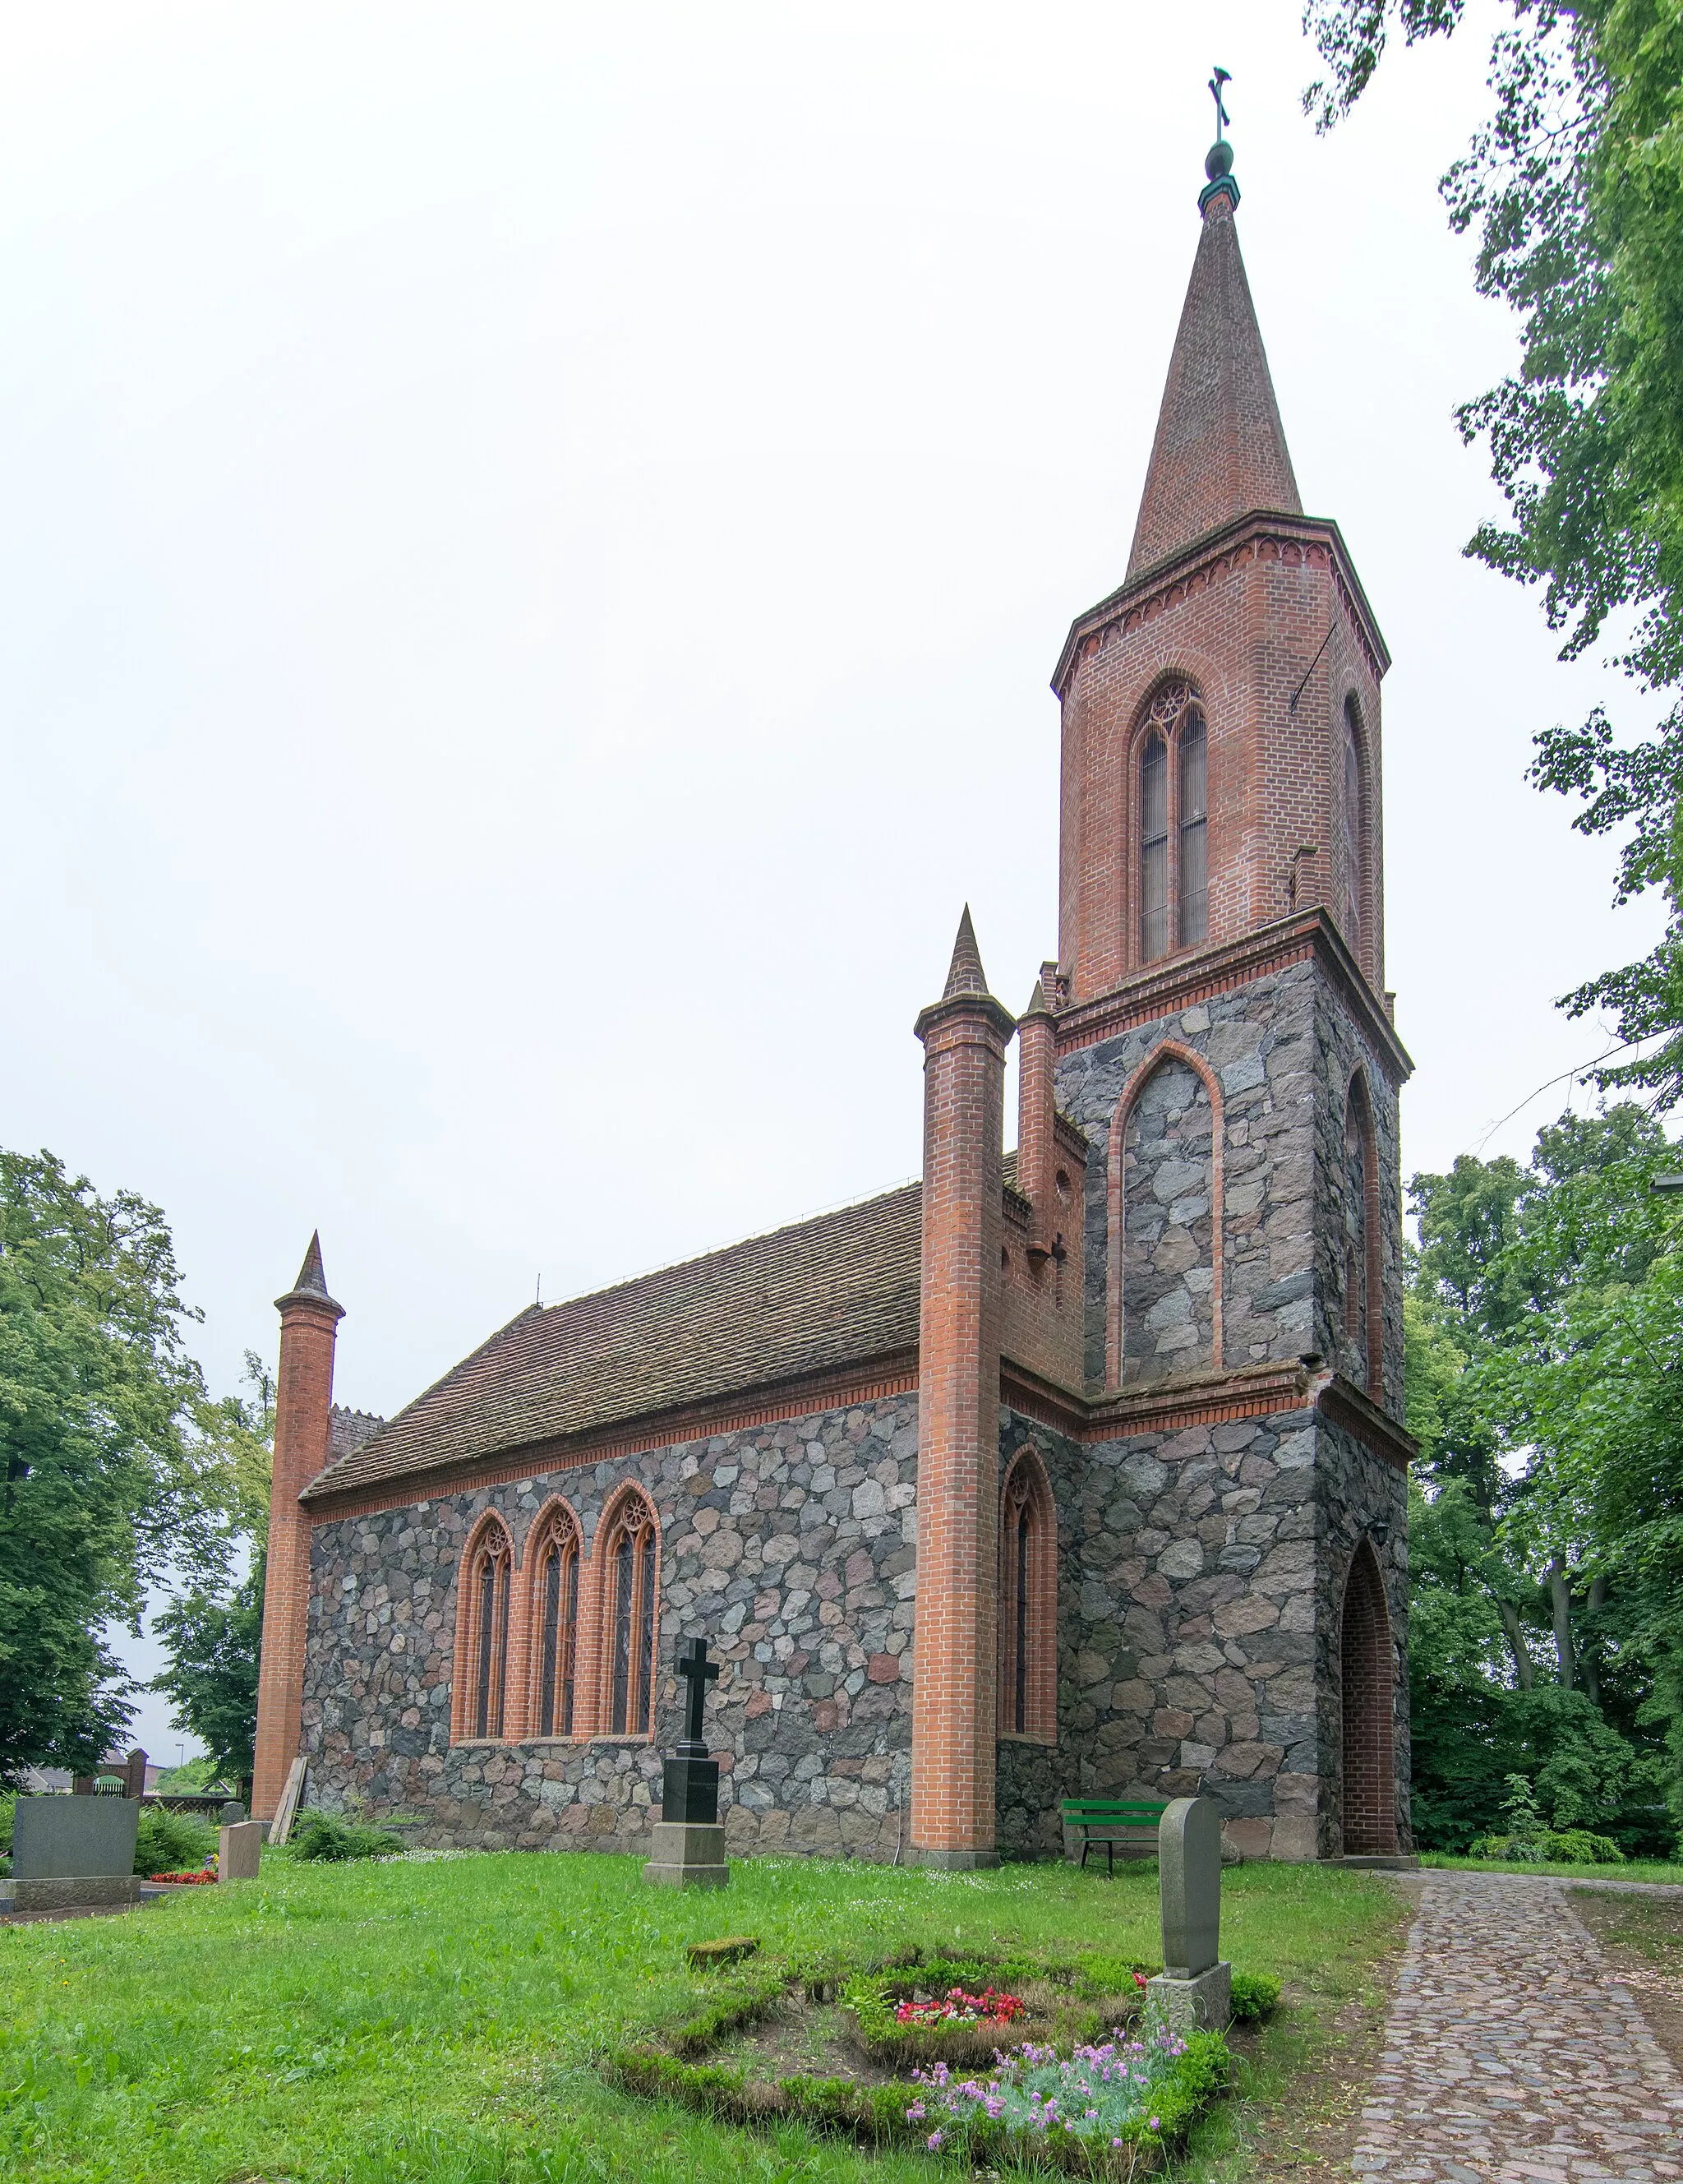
<point>482,1632</point>
<point>630,1584</point>
<point>1174,822</point>
<point>1194,888</point>
<point>1351,833</point>
<point>1028,1600</point>
<point>1154,850</point>
<point>553,1559</point>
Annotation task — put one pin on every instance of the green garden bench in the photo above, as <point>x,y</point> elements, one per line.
<point>1128,1821</point>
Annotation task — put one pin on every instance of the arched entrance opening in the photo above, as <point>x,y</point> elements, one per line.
<point>1365,1673</point>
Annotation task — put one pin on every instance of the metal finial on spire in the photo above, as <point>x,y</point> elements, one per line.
<point>1218,160</point>
<point>1221,77</point>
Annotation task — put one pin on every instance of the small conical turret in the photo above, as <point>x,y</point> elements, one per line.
<point>966,975</point>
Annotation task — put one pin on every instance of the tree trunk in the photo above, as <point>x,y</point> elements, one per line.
<point>1560,1597</point>
<point>1591,1664</point>
<point>1516,1638</point>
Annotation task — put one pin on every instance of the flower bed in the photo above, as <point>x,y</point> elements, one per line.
<point>182,1879</point>
<point>1100,2104</point>
<point>1107,2097</point>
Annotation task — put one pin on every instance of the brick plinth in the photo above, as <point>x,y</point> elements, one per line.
<point>309,1322</point>
<point>954,1699</point>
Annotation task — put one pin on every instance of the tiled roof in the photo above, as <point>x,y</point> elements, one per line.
<point>349,1429</point>
<point>826,1293</point>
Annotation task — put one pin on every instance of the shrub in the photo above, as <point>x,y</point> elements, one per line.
<point>320,1835</point>
<point>8,1799</point>
<point>1549,1846</point>
<point>1255,1995</point>
<point>171,1842</point>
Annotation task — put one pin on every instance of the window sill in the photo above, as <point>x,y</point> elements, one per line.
<point>1049,1741</point>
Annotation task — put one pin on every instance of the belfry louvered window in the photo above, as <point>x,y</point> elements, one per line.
<point>1173,824</point>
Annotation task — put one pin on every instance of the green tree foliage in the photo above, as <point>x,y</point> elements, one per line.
<point>211,1634</point>
<point>113,1467</point>
<point>1576,185</point>
<point>1544,1320</point>
<point>212,1643</point>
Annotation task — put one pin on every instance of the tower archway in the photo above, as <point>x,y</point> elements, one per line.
<point>1369,1815</point>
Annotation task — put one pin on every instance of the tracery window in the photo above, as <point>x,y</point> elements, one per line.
<point>630,1563</point>
<point>556,1604</point>
<point>1028,1579</point>
<point>1173,824</point>
<point>482,1632</point>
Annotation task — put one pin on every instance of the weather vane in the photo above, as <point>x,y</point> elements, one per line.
<point>1221,77</point>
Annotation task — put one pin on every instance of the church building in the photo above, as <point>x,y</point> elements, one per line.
<point>1078,1471</point>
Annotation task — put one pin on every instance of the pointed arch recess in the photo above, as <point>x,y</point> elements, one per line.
<point>479,1689</point>
<point>1363,1318</point>
<point>1351,732</point>
<point>552,1602</point>
<point>1169,1049</point>
<point>625,1617</point>
<point>1365,1688</point>
<point>1028,1600</point>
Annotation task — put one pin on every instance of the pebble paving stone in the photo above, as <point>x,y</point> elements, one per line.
<point>1513,2055</point>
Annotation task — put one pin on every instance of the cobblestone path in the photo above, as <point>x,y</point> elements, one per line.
<point>1512,2054</point>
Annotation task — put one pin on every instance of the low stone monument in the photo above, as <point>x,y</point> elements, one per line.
<point>689,1843</point>
<point>74,1853</point>
<point>239,1850</point>
<point>232,1813</point>
<point>1194,1989</point>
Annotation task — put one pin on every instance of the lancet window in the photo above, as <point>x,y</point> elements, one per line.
<point>554,1561</point>
<point>1028,1605</point>
<point>1173,823</point>
<point>1351,835</point>
<point>1362,1278</point>
<point>630,1585</point>
<point>482,1632</point>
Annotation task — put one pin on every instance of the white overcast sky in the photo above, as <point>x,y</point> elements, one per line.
<point>534,538</point>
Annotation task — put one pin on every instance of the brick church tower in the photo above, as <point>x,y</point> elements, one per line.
<point>1215,1043</point>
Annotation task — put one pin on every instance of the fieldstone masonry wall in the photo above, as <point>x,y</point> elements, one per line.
<point>1168,1278</point>
<point>792,1545</point>
<point>1201,1595</point>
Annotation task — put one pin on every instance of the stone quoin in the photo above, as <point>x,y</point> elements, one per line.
<point>1074,1471</point>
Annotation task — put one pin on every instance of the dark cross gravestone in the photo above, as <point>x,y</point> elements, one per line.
<point>689,1784</point>
<point>689,1843</point>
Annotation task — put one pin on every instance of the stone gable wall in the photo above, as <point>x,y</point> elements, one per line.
<point>1260,1043</point>
<point>1340,1049</point>
<point>792,1547</point>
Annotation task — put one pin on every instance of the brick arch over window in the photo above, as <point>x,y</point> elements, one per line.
<point>552,1587</point>
<point>1363,1261</point>
<point>1028,1600</point>
<point>483,1583</point>
<point>1158,1321</point>
<point>626,1598</point>
<point>1366,1680</point>
<point>1168,822</point>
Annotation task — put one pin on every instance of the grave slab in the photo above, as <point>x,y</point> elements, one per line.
<point>239,1851</point>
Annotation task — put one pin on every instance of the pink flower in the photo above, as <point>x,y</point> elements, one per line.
<point>936,2141</point>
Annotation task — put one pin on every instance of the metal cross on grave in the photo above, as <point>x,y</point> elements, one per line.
<point>693,1664</point>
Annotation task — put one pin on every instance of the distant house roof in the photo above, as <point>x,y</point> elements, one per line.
<point>829,1292</point>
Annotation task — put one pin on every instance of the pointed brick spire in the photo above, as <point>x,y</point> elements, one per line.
<point>311,1286</point>
<point>1220,448</point>
<point>310,1275</point>
<point>1037,1001</point>
<point>966,975</point>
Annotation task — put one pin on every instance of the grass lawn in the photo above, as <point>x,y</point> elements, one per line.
<point>1634,1868</point>
<point>373,2023</point>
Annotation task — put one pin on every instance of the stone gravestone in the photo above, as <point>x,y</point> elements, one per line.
<point>689,1843</point>
<point>74,1853</point>
<point>1194,1988</point>
<point>239,1850</point>
<point>232,1813</point>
